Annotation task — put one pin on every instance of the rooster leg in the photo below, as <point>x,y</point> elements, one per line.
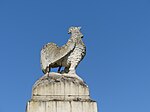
<point>66,70</point>
<point>72,68</point>
<point>47,70</point>
<point>59,69</point>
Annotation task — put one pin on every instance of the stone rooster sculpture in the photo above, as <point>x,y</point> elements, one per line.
<point>67,56</point>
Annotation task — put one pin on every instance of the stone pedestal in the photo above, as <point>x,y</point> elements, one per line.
<point>60,93</point>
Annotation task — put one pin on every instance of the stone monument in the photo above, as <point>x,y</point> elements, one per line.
<point>63,91</point>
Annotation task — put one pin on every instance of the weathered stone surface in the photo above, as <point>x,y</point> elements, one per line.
<point>64,91</point>
<point>61,106</point>
<point>55,86</point>
<point>60,93</point>
<point>68,55</point>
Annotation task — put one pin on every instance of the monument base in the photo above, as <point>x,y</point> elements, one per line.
<point>61,106</point>
<point>60,93</point>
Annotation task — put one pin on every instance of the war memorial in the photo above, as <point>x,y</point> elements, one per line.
<point>64,90</point>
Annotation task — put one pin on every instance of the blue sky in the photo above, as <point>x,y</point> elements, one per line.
<point>117,36</point>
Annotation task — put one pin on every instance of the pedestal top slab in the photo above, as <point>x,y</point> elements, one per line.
<point>55,86</point>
